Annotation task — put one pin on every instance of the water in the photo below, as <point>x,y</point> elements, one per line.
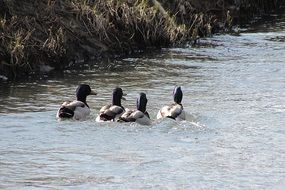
<point>234,94</point>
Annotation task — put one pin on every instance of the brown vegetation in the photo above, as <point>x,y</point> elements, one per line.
<point>34,34</point>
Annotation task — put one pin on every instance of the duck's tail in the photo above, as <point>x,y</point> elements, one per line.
<point>65,112</point>
<point>123,119</point>
<point>171,117</point>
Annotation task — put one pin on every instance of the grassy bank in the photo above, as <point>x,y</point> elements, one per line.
<point>38,36</point>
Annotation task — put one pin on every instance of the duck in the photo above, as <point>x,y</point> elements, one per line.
<point>112,111</point>
<point>140,115</point>
<point>174,110</point>
<point>77,109</point>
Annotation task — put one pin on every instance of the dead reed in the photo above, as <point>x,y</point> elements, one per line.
<point>51,32</point>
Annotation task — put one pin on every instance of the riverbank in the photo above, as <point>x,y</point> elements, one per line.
<point>37,37</point>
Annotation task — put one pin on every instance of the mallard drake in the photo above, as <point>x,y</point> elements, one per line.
<point>77,109</point>
<point>175,110</point>
<point>140,115</point>
<point>112,111</point>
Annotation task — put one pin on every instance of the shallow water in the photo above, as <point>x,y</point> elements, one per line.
<point>234,94</point>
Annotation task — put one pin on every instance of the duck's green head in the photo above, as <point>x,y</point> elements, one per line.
<point>82,91</point>
<point>177,95</point>
<point>118,96</point>
<point>141,102</point>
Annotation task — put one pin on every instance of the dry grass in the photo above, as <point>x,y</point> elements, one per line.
<point>53,32</point>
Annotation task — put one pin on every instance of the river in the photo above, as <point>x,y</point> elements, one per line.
<point>234,136</point>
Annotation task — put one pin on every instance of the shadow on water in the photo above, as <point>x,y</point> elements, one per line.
<point>268,23</point>
<point>136,74</point>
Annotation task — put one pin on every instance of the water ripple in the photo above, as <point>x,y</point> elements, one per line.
<point>233,138</point>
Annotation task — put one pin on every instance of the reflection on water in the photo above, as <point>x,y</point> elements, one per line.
<point>234,94</point>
